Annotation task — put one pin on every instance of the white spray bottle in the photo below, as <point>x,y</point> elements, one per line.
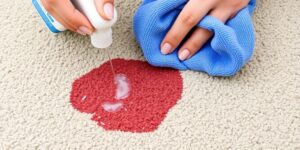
<point>101,38</point>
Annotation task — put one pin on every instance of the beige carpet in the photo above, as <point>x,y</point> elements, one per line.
<point>258,108</point>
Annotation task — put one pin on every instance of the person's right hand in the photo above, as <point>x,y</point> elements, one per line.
<point>65,13</point>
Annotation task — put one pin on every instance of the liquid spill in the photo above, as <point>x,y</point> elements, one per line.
<point>136,99</point>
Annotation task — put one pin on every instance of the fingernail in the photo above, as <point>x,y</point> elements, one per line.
<point>84,30</point>
<point>80,32</point>
<point>109,10</point>
<point>166,48</point>
<point>184,54</point>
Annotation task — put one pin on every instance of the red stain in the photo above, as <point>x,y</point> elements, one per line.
<point>153,92</point>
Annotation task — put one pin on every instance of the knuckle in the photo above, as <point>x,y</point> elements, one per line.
<point>173,38</point>
<point>238,4</point>
<point>194,46</point>
<point>188,19</point>
<point>72,18</point>
<point>48,4</point>
<point>48,8</point>
<point>51,2</point>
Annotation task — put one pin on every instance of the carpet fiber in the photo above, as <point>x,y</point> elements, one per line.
<point>257,108</point>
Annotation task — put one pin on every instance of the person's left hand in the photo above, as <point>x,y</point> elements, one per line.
<point>191,14</point>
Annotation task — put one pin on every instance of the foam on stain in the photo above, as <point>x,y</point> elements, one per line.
<point>123,87</point>
<point>112,107</point>
<point>122,92</point>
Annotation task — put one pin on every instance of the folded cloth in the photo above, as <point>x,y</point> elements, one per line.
<point>230,48</point>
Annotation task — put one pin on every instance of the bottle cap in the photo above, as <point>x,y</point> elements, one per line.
<point>102,38</point>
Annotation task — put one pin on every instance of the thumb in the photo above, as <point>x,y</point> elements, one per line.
<point>105,8</point>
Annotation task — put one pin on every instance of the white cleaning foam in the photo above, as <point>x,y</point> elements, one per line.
<point>122,92</point>
<point>112,107</point>
<point>123,86</point>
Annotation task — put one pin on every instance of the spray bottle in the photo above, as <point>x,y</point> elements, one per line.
<point>101,38</point>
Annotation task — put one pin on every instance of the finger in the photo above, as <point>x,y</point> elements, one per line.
<point>191,14</point>
<point>105,8</point>
<point>63,22</point>
<point>200,36</point>
<point>66,10</point>
<point>55,15</point>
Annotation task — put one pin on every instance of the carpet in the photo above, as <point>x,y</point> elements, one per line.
<point>259,108</point>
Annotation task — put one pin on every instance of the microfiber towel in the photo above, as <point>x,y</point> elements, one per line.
<point>230,48</point>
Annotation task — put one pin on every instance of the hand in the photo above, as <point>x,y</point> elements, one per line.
<point>65,13</point>
<point>191,14</point>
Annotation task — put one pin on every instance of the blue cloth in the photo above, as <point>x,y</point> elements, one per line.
<point>226,53</point>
